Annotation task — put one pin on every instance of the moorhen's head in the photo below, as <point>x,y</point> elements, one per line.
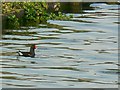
<point>33,46</point>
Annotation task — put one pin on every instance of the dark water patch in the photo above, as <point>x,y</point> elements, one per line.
<point>12,39</point>
<point>59,68</point>
<point>13,66</point>
<point>64,68</point>
<point>35,78</point>
<point>60,76</point>
<point>102,51</point>
<point>111,71</point>
<point>12,77</point>
<point>111,37</point>
<point>114,8</point>
<point>17,78</point>
<point>13,73</point>
<point>51,43</point>
<point>99,82</point>
<point>57,31</point>
<point>90,41</point>
<point>44,81</point>
<point>68,57</point>
<point>33,62</point>
<point>109,63</point>
<point>49,37</point>
<point>81,31</point>
<point>114,49</point>
<point>4,72</point>
<point>79,80</point>
<point>117,22</point>
<point>87,16</point>
<point>65,28</point>
<point>19,85</point>
<point>82,21</point>
<point>106,50</point>
<point>80,61</point>
<point>104,40</point>
<point>118,64</point>
<point>51,34</point>
<point>69,48</point>
<point>101,14</point>
<point>30,38</point>
<point>118,83</point>
<point>85,80</point>
<point>5,44</point>
<point>101,31</point>
<point>114,70</point>
<point>103,63</point>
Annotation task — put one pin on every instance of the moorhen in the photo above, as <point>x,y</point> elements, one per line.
<point>28,54</point>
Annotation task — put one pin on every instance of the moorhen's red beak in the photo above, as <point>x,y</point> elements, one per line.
<point>35,46</point>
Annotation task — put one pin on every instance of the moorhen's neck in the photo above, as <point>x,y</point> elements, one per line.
<point>32,51</point>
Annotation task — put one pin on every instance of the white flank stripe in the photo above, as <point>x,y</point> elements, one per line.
<point>20,53</point>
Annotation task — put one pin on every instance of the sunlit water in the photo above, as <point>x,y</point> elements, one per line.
<point>79,53</point>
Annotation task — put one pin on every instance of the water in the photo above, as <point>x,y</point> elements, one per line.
<point>79,53</point>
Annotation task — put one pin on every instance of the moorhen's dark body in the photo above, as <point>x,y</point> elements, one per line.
<point>28,54</point>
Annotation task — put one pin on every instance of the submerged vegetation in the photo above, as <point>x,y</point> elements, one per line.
<point>29,13</point>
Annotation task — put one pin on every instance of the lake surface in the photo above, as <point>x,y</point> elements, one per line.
<point>79,53</point>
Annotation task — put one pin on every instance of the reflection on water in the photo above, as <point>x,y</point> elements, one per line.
<point>79,53</point>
